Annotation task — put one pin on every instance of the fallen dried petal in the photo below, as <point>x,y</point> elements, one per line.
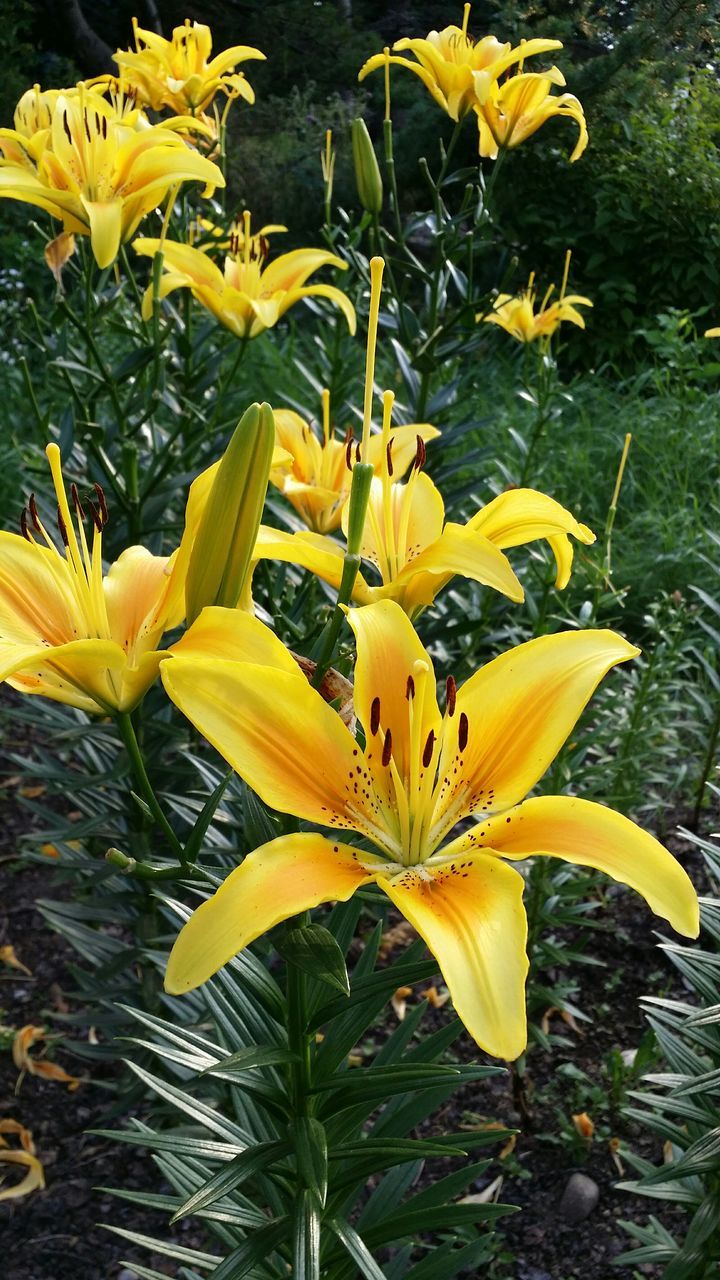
<point>8,957</point>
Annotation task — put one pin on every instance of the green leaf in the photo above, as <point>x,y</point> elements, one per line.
<point>357,1249</point>
<point>245,1059</point>
<point>313,950</point>
<point>168,1249</point>
<point>255,1249</point>
<point>244,1166</point>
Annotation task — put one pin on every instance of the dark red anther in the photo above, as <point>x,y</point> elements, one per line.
<point>420,454</point>
<point>429,748</point>
<point>348,448</point>
<point>263,246</point>
<point>410,688</point>
<point>76,501</point>
<point>374,716</point>
<point>87,127</point>
<point>450,695</point>
<point>66,127</point>
<point>23,525</point>
<point>96,517</point>
<point>62,527</point>
<point>32,504</point>
<point>463,731</point>
<point>100,494</point>
<point>388,455</point>
<point>234,243</point>
<point>357,451</point>
<point>387,749</point>
<point>104,127</point>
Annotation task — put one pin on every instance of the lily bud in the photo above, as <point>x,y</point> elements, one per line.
<point>367,171</point>
<point>223,547</point>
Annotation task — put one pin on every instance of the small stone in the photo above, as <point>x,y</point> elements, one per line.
<point>579,1198</point>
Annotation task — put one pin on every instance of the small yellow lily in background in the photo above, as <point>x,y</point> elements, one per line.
<point>515,313</point>
<point>712,333</point>
<point>318,482</point>
<point>416,553</point>
<point>419,776</point>
<point>71,634</point>
<point>456,70</point>
<point>179,74</point>
<point>516,109</point>
<point>99,171</point>
<point>247,296</point>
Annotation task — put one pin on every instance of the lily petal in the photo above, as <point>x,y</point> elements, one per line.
<point>524,515</point>
<point>276,881</point>
<point>520,708</point>
<point>236,636</point>
<point>472,918</point>
<point>270,725</point>
<point>462,550</point>
<point>592,835</point>
<point>389,654</point>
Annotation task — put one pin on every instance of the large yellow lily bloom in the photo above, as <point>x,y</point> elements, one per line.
<point>97,170</point>
<point>317,483</point>
<point>246,296</point>
<point>519,107</point>
<point>179,73</point>
<point>416,553</point>
<point>456,70</point>
<point>417,778</point>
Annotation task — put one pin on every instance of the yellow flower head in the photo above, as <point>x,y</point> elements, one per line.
<point>412,549</point>
<point>517,315</point>
<point>98,166</point>
<point>179,73</point>
<point>69,632</point>
<point>457,70</point>
<point>438,797</point>
<point>520,105</point>
<point>318,480</point>
<point>246,296</point>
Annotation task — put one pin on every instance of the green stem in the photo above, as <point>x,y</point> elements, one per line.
<point>392,177</point>
<point>228,381</point>
<point>92,346</point>
<point>298,1039</point>
<point>132,746</point>
<point>359,498</point>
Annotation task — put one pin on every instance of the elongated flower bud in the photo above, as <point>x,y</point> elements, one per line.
<point>367,171</point>
<point>226,536</point>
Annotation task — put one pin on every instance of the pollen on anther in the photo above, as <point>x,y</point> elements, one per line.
<point>387,749</point>
<point>428,751</point>
<point>410,688</point>
<point>450,695</point>
<point>463,729</point>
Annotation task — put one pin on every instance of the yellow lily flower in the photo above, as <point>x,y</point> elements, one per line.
<point>247,297</point>
<point>418,777</point>
<point>456,70</point>
<point>416,553</point>
<point>179,73</point>
<point>99,171</point>
<point>520,106</point>
<point>517,316</point>
<point>71,634</point>
<point>318,483</point>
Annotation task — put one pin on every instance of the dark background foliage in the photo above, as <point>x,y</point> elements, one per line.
<point>639,211</point>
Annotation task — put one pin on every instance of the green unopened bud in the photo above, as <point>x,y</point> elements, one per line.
<point>226,536</point>
<point>367,171</point>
